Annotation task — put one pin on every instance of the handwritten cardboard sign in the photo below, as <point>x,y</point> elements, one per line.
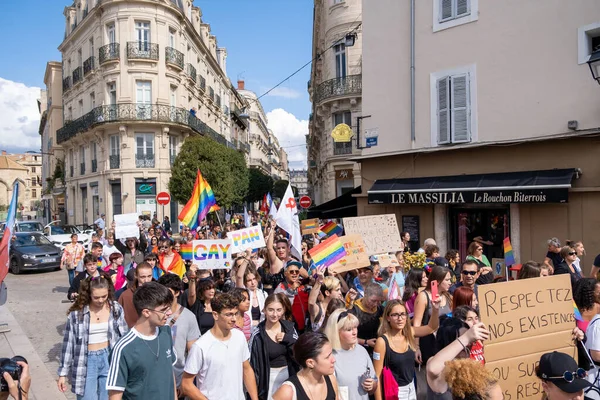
<point>526,318</point>
<point>379,232</point>
<point>309,226</point>
<point>385,260</point>
<point>126,226</point>
<point>247,238</point>
<point>212,254</point>
<point>356,254</point>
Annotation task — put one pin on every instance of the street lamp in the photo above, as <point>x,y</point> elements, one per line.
<point>594,63</point>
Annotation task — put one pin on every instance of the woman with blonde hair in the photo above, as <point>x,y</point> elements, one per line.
<point>324,290</point>
<point>353,368</point>
<point>467,380</point>
<point>397,349</point>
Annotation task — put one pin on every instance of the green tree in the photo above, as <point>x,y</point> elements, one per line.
<point>260,184</point>
<point>224,169</point>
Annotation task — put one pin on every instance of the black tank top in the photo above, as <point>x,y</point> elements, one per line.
<point>255,313</point>
<point>402,365</point>
<point>301,394</point>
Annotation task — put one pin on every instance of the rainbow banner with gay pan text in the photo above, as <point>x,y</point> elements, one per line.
<point>208,254</point>
<point>327,252</point>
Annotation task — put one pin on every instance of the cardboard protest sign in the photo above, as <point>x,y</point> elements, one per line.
<point>247,238</point>
<point>126,226</point>
<point>385,260</point>
<point>526,318</point>
<point>209,254</point>
<point>309,226</point>
<point>379,232</point>
<point>356,254</point>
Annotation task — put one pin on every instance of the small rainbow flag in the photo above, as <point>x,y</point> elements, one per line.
<point>200,204</point>
<point>186,251</point>
<point>578,316</point>
<point>327,252</point>
<point>509,258</point>
<point>331,228</point>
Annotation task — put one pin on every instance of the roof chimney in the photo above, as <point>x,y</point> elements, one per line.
<point>240,84</point>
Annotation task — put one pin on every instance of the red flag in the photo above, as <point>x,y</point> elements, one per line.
<point>264,207</point>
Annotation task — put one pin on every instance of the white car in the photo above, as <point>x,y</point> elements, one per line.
<point>60,236</point>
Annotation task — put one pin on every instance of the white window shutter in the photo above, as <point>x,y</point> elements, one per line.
<point>462,8</point>
<point>443,120</point>
<point>446,9</point>
<point>459,116</point>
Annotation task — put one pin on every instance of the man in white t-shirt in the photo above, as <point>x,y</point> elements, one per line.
<point>220,359</point>
<point>109,248</point>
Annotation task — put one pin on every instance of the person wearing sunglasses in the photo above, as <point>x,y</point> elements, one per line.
<point>569,256</point>
<point>562,379</point>
<point>296,293</point>
<point>475,253</point>
<point>468,276</point>
<point>169,260</point>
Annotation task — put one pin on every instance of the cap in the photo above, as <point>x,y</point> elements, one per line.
<point>552,368</point>
<point>294,263</point>
<point>374,259</point>
<point>102,215</point>
<point>441,261</point>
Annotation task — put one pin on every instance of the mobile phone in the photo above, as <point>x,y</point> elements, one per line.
<point>434,290</point>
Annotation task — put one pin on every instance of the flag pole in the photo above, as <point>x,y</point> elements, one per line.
<point>219,219</point>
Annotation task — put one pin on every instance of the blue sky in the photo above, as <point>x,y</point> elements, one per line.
<point>266,41</point>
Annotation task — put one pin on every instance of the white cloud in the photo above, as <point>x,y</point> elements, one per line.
<point>291,133</point>
<point>20,119</point>
<point>285,92</point>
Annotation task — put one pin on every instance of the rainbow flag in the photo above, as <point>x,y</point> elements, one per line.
<point>327,252</point>
<point>509,258</point>
<point>186,251</point>
<point>578,316</point>
<point>200,203</point>
<point>331,228</point>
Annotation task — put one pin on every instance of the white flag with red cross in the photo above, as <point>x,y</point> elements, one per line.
<point>287,219</point>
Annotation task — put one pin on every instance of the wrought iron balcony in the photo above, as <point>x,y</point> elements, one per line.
<point>191,71</point>
<point>94,165</point>
<point>142,51</point>
<point>342,148</point>
<point>131,112</point>
<point>89,65</point>
<point>67,83</point>
<point>349,85</point>
<point>109,52</point>
<point>202,83</point>
<point>173,57</point>
<point>114,161</point>
<point>77,75</point>
<point>82,169</point>
<point>144,160</point>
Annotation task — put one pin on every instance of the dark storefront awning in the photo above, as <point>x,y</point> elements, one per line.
<point>340,207</point>
<point>549,186</point>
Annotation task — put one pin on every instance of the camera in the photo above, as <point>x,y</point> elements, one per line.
<point>10,366</point>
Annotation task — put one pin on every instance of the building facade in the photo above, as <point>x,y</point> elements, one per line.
<point>497,140</point>
<point>30,195</point>
<point>265,152</point>
<point>335,89</point>
<point>138,79</point>
<point>299,179</point>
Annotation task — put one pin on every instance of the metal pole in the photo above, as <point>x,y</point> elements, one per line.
<point>412,71</point>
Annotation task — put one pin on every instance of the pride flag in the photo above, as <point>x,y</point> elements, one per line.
<point>186,251</point>
<point>331,228</point>
<point>200,203</point>
<point>509,258</point>
<point>327,252</point>
<point>578,316</point>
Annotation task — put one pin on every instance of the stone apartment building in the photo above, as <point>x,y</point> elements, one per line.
<point>26,169</point>
<point>299,179</point>
<point>132,72</point>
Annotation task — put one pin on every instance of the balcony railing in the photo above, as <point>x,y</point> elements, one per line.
<point>349,85</point>
<point>94,165</point>
<point>67,83</point>
<point>136,112</point>
<point>77,75</point>
<point>173,57</point>
<point>144,160</point>
<point>342,148</point>
<point>191,71</point>
<point>109,52</point>
<point>202,83</point>
<point>114,161</point>
<point>142,51</point>
<point>82,169</point>
<point>89,65</point>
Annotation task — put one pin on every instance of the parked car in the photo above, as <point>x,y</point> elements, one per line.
<point>60,236</point>
<point>25,226</point>
<point>85,228</point>
<point>33,251</point>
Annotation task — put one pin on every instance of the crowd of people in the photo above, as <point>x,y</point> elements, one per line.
<point>145,324</point>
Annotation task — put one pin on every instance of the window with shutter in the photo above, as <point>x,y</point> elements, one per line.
<point>459,85</point>
<point>449,13</point>
<point>443,99</point>
<point>446,10</point>
<point>462,8</point>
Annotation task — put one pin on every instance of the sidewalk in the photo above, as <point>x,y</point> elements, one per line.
<point>15,342</point>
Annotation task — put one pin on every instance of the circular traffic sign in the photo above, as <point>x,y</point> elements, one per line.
<point>305,201</point>
<point>163,198</point>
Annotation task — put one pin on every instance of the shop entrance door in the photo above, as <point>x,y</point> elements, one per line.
<point>491,225</point>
